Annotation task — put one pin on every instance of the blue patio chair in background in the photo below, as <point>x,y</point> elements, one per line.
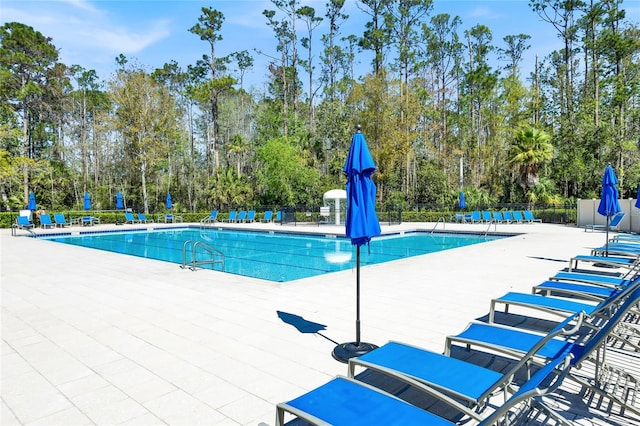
<point>486,216</point>
<point>213,217</point>
<point>88,221</point>
<point>142,218</point>
<point>517,216</point>
<point>129,218</point>
<point>614,224</point>
<point>251,216</point>
<point>23,222</point>
<point>476,217</point>
<point>45,221</point>
<point>267,216</point>
<point>232,216</point>
<point>497,217</point>
<point>529,217</point>
<point>172,218</point>
<point>60,220</point>
<point>242,216</point>
<point>507,216</point>
<point>278,218</point>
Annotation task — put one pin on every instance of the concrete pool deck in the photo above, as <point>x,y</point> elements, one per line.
<point>92,337</point>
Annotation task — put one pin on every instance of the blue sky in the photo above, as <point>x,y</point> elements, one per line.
<point>91,33</point>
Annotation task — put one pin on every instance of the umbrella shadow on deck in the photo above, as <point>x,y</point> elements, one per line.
<point>303,325</point>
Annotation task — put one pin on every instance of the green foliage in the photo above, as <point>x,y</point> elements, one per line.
<point>283,176</point>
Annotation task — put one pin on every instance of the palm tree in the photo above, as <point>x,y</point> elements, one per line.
<point>530,150</point>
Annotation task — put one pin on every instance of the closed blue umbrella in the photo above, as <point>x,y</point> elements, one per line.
<point>462,203</point>
<point>609,203</point>
<point>119,202</point>
<point>169,203</point>
<point>638,198</point>
<point>87,201</point>
<point>31,205</point>
<point>361,225</point>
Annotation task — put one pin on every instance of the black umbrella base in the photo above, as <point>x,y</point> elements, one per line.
<point>345,351</point>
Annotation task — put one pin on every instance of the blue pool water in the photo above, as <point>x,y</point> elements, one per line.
<point>272,256</point>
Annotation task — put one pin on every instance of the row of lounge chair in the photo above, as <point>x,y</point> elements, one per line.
<point>59,221</point>
<point>243,216</point>
<point>594,311</point>
<point>507,216</point>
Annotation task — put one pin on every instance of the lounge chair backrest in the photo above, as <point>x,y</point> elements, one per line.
<point>532,387</point>
<point>486,216</point>
<point>603,332</point>
<point>242,215</point>
<point>508,216</point>
<point>615,221</point>
<point>129,217</point>
<point>59,218</point>
<point>251,215</point>
<point>23,221</point>
<point>498,216</point>
<point>528,216</point>
<point>267,215</point>
<point>475,216</point>
<point>279,216</point>
<point>213,215</point>
<point>232,215</point>
<point>45,219</point>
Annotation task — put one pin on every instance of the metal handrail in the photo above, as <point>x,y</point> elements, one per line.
<point>436,225</point>
<point>195,263</point>
<point>492,221</point>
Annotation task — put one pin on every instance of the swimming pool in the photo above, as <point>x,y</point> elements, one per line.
<point>273,256</point>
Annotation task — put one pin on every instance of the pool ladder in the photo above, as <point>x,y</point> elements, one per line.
<point>194,263</point>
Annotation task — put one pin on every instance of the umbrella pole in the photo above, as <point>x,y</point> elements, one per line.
<point>357,295</point>
<point>345,351</point>
<point>606,244</point>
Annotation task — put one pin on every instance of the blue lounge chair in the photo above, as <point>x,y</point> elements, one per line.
<point>345,401</point>
<point>614,224</point>
<point>45,221</point>
<point>172,218</point>
<point>142,218</point>
<point>517,216</point>
<point>573,289</point>
<point>562,306</point>
<point>267,216</point>
<point>507,216</point>
<point>486,216</point>
<point>617,249</point>
<point>512,341</point>
<point>589,278</point>
<point>232,216</point>
<point>23,222</point>
<point>464,381</point>
<point>497,217</point>
<point>529,217</point>
<point>129,218</point>
<point>251,216</point>
<point>60,220</point>
<point>476,217</point>
<point>278,218</point>
<point>614,261</point>
<point>242,216</point>
<point>213,217</point>
<point>89,220</point>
